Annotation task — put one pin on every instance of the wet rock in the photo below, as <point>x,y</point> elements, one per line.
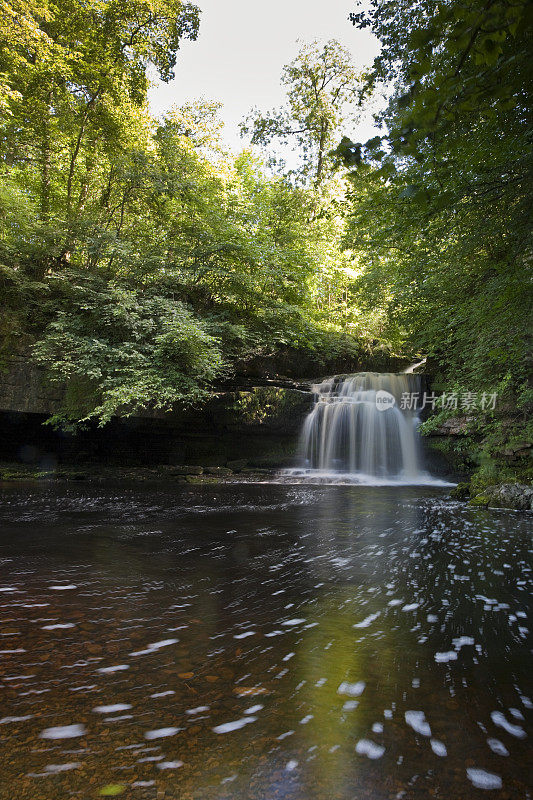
<point>480,500</point>
<point>461,491</point>
<point>186,470</point>
<point>517,496</point>
<point>218,471</point>
<point>238,464</point>
<point>276,461</point>
<point>454,426</point>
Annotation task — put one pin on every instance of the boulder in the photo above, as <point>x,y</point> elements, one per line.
<point>218,471</point>
<point>517,496</point>
<point>185,470</point>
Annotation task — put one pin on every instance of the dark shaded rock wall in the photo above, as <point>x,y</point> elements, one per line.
<point>256,417</point>
<point>260,425</point>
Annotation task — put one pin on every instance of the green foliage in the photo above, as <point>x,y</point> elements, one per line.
<point>441,205</point>
<point>121,350</point>
<point>320,82</point>
<point>144,260</point>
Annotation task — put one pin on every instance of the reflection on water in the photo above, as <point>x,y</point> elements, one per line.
<point>257,642</point>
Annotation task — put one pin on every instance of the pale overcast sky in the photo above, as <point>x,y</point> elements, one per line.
<point>242,47</point>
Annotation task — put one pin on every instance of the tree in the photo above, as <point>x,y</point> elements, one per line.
<point>138,259</point>
<point>320,82</point>
<point>441,204</point>
<point>76,89</point>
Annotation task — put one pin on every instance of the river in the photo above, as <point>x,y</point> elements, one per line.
<point>261,641</point>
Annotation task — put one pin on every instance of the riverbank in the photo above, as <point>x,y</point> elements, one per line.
<point>512,497</point>
<point>14,472</point>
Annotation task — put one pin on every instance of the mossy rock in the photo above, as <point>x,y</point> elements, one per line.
<point>480,500</point>
<point>256,471</point>
<point>186,470</point>
<point>461,491</point>
<point>238,465</point>
<point>200,479</point>
<point>9,475</point>
<point>218,471</point>
<point>69,475</point>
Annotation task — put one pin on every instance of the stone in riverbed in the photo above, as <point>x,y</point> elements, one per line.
<point>461,491</point>
<point>238,465</point>
<point>517,496</point>
<point>186,470</point>
<point>218,471</point>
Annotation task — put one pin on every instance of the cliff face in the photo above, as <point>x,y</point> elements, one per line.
<point>23,388</point>
<point>256,419</point>
<point>258,425</point>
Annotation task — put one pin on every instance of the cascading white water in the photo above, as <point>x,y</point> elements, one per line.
<point>361,425</point>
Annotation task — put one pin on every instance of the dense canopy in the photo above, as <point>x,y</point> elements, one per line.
<point>141,263</point>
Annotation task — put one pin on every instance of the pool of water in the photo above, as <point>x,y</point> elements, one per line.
<point>254,642</point>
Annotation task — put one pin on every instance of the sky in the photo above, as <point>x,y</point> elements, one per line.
<point>241,50</point>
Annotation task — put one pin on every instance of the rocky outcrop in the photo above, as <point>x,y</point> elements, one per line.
<point>23,387</point>
<point>258,426</point>
<point>453,426</point>
<point>515,496</point>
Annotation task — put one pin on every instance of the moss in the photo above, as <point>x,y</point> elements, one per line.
<point>461,491</point>
<point>194,479</point>
<point>480,500</point>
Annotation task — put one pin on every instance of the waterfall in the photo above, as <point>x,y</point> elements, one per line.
<point>363,426</point>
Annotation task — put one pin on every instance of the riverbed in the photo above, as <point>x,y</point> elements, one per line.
<point>262,641</point>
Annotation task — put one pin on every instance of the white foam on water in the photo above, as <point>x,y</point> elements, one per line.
<point>417,721</point>
<point>228,727</point>
<point>327,477</point>
<point>351,689</point>
<point>482,779</point>
<point>109,670</point>
<point>54,769</point>
<point>439,748</point>
<point>58,626</point>
<point>367,620</point>
<point>64,732</point>
<point>62,588</point>
<point>254,709</point>
<point>161,733</point>
<point>154,647</point>
<point>350,705</point>
<point>443,658</point>
<point>368,748</point>
<point>497,747</point>
<point>515,730</point>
